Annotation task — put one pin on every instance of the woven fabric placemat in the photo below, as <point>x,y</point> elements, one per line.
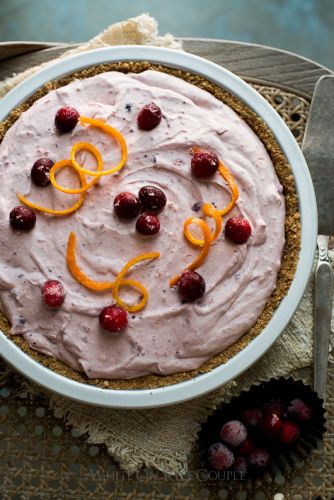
<point>40,455</point>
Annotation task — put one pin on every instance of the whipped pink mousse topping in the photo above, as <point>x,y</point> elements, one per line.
<point>168,335</point>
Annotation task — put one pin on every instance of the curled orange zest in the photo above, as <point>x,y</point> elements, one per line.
<point>205,249</point>
<point>120,282</point>
<point>100,286</point>
<point>224,172</point>
<point>76,271</point>
<point>64,163</point>
<point>105,127</point>
<point>210,211</point>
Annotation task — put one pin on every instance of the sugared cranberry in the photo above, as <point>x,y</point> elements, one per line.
<point>191,285</point>
<point>276,406</point>
<point>152,199</point>
<point>240,466</point>
<point>246,447</point>
<point>298,409</point>
<point>272,426</point>
<point>127,205</point>
<point>233,433</point>
<point>66,119</point>
<point>40,172</point>
<point>259,459</point>
<point>238,229</point>
<point>53,293</point>
<point>149,116</point>
<point>204,164</point>
<point>252,416</point>
<point>113,318</point>
<point>290,433</point>
<point>148,224</point>
<point>22,218</point>
<point>220,456</point>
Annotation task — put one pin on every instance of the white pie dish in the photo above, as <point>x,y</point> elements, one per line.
<point>255,349</point>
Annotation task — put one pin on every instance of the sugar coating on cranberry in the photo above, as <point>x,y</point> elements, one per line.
<point>152,198</point>
<point>259,459</point>
<point>148,224</point>
<point>127,205</point>
<point>220,456</point>
<point>113,318</point>
<point>66,118</point>
<point>238,230</point>
<point>252,416</point>
<point>149,116</point>
<point>22,218</point>
<point>298,409</point>
<point>204,164</point>
<point>272,426</point>
<point>53,293</point>
<point>191,285</point>
<point>233,433</point>
<point>290,432</point>
<point>40,172</point>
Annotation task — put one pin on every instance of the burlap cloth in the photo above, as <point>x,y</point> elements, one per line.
<point>163,438</point>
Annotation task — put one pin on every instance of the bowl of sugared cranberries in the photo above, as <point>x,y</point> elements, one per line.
<point>264,430</point>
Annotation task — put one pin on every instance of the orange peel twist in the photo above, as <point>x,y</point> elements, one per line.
<point>204,250</point>
<point>101,286</point>
<point>105,127</point>
<point>63,164</point>
<point>81,172</point>
<point>77,273</point>
<point>226,174</point>
<point>210,211</point>
<point>119,281</point>
<point>59,165</point>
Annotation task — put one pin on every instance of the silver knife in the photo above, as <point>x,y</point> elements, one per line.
<point>318,149</point>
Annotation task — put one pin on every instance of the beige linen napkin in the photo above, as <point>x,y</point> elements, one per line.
<point>140,30</point>
<point>163,438</point>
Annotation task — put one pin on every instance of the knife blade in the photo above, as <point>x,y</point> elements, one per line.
<point>318,149</point>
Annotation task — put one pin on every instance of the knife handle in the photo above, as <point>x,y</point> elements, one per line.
<point>322,320</point>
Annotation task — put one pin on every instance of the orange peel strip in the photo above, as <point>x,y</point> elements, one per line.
<point>204,251</point>
<point>210,211</point>
<point>60,165</point>
<point>101,286</point>
<point>65,163</point>
<point>76,272</point>
<point>108,129</point>
<point>120,282</point>
<point>136,307</point>
<point>226,174</point>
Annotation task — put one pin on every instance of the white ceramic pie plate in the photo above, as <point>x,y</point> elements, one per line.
<point>255,349</point>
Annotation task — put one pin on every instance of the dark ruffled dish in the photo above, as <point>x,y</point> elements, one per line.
<point>282,417</point>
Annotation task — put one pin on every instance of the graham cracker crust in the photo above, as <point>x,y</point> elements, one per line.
<point>292,226</point>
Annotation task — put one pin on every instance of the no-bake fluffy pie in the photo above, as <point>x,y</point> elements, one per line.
<point>149,225</point>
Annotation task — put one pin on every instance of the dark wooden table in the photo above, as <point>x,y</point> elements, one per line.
<point>254,63</point>
<point>29,430</point>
